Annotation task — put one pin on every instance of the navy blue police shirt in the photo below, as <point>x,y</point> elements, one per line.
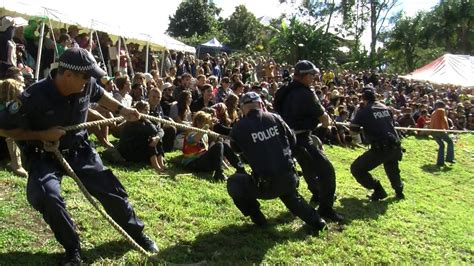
<point>266,142</point>
<point>298,106</point>
<point>377,121</point>
<point>41,107</point>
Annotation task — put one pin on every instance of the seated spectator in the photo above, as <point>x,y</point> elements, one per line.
<point>124,88</point>
<point>180,110</point>
<point>138,92</point>
<point>205,100</point>
<point>232,103</point>
<point>154,98</point>
<point>222,125</point>
<point>140,141</point>
<point>167,98</point>
<point>199,157</point>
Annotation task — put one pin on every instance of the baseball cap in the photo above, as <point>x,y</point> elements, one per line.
<point>368,93</point>
<point>306,67</point>
<point>7,22</point>
<point>250,97</point>
<point>167,85</point>
<point>80,60</point>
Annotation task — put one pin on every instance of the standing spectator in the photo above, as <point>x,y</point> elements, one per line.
<point>439,121</point>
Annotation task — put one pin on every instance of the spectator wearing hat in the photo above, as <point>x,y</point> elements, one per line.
<point>301,110</point>
<point>267,143</point>
<point>385,148</point>
<point>61,100</point>
<point>7,45</point>
<point>440,121</point>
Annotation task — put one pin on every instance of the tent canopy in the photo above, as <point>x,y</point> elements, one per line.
<point>213,43</point>
<point>158,41</point>
<point>448,69</point>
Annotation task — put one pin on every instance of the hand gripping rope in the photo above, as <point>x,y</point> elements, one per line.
<point>54,148</point>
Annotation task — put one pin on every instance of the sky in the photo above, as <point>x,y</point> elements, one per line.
<point>153,15</point>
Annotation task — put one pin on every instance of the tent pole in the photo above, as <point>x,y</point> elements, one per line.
<point>163,63</point>
<point>118,52</point>
<point>40,49</point>
<point>128,57</point>
<point>90,40</point>
<point>147,53</point>
<point>100,52</point>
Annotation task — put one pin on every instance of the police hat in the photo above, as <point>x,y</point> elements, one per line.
<point>80,60</point>
<point>368,93</point>
<point>250,97</point>
<point>305,67</point>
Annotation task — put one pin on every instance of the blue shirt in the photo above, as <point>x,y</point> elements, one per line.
<point>41,107</point>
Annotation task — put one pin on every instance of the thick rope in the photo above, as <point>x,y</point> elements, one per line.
<point>422,129</point>
<point>53,147</point>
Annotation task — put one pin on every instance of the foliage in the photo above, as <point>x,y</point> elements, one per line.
<point>193,219</point>
<point>242,28</point>
<point>193,17</point>
<point>300,40</point>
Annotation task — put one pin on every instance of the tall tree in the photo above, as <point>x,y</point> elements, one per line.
<point>193,17</point>
<point>242,28</point>
<point>379,10</point>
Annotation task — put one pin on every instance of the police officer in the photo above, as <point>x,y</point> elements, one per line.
<point>63,99</point>
<point>301,110</point>
<point>266,141</point>
<point>378,125</point>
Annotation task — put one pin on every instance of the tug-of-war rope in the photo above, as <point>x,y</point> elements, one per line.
<point>53,147</point>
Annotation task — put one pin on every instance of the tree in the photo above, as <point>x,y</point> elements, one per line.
<point>242,28</point>
<point>193,17</point>
<point>300,40</point>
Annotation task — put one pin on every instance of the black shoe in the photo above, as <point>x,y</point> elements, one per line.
<point>440,164</point>
<point>147,243</point>
<point>331,215</point>
<point>314,200</point>
<point>319,225</point>
<point>453,161</point>
<point>399,194</point>
<point>219,176</point>
<point>241,170</point>
<point>259,219</point>
<point>379,193</point>
<point>71,258</point>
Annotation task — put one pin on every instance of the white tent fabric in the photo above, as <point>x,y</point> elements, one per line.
<point>33,8</point>
<point>213,43</point>
<point>448,69</point>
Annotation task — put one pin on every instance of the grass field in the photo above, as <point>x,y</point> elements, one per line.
<point>193,220</point>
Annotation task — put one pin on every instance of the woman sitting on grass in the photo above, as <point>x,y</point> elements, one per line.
<point>199,157</point>
<point>140,141</point>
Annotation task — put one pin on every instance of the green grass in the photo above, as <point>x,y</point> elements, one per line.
<point>193,220</point>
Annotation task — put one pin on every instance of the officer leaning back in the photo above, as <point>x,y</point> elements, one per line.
<point>63,99</point>
<point>266,141</point>
<point>378,125</point>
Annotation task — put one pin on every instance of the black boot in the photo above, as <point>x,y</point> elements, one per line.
<point>330,214</point>
<point>399,194</point>
<point>379,193</point>
<point>259,219</point>
<point>314,200</point>
<point>71,258</point>
<point>219,176</point>
<point>319,225</point>
<point>147,243</point>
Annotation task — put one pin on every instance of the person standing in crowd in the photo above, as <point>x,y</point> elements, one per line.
<point>267,142</point>
<point>385,147</point>
<point>440,121</point>
<point>301,110</point>
<point>61,100</point>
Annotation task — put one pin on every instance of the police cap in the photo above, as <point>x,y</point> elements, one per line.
<point>250,97</point>
<point>305,67</point>
<point>80,60</point>
<point>368,93</point>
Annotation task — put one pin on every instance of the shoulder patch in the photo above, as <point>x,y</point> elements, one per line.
<point>14,106</point>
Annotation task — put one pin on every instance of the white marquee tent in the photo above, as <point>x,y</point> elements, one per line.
<point>448,69</point>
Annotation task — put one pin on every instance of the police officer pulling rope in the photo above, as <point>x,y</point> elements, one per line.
<point>61,100</point>
<point>385,148</point>
<point>266,142</point>
<point>299,107</point>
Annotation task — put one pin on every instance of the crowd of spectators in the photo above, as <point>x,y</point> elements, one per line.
<point>179,85</point>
